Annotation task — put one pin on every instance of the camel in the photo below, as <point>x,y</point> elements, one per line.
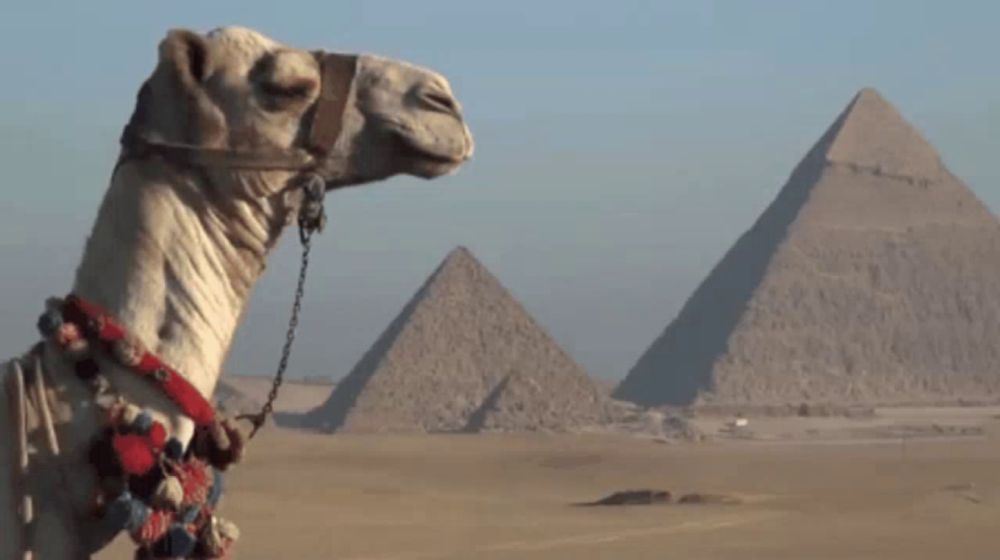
<point>179,242</point>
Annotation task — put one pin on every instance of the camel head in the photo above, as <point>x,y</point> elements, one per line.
<point>235,89</point>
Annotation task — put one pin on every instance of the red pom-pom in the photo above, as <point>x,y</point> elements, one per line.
<point>157,435</point>
<point>156,526</point>
<point>67,334</point>
<point>196,479</point>
<point>134,453</point>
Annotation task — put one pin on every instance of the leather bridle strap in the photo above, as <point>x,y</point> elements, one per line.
<point>137,146</point>
<point>337,76</point>
<point>337,73</point>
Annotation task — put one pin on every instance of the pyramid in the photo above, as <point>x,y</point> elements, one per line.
<point>871,278</point>
<point>463,355</point>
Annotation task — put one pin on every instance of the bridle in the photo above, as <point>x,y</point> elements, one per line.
<point>337,73</point>
<point>317,172</point>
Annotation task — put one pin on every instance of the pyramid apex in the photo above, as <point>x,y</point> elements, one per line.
<point>459,250</point>
<point>457,257</point>
<point>871,135</point>
<point>869,92</point>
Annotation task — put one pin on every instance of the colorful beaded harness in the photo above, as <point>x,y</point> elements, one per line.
<point>162,494</point>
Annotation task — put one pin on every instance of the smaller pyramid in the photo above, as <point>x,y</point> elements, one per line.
<point>463,356</point>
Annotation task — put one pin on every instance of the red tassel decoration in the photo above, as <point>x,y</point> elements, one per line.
<point>134,453</point>
<point>157,436</point>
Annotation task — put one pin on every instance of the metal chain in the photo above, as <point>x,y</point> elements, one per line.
<point>312,219</point>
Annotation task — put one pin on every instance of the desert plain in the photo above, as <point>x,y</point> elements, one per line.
<point>904,483</point>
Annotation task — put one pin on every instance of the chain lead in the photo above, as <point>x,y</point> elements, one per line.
<point>312,218</point>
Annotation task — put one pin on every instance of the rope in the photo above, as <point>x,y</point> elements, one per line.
<point>43,404</point>
<point>20,413</point>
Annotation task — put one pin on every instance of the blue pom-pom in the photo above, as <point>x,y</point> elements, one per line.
<point>177,543</point>
<point>174,449</point>
<point>142,423</point>
<point>125,512</point>
<point>189,515</point>
<point>49,322</point>
<point>215,493</point>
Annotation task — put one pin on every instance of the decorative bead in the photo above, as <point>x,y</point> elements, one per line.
<point>103,398</point>
<point>49,322</point>
<point>177,543</point>
<point>86,369</point>
<point>157,436</point>
<point>215,494</point>
<point>128,351</point>
<point>174,449</point>
<point>125,512</point>
<point>197,480</point>
<point>129,414</point>
<point>218,536</point>
<point>189,514</point>
<point>169,494</point>
<point>66,333</point>
<point>134,453</point>
<point>142,423</point>
<point>71,340</point>
<point>153,529</point>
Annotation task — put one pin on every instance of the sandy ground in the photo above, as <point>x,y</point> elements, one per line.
<point>455,497</point>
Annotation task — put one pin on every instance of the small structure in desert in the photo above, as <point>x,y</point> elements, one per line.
<point>871,278</point>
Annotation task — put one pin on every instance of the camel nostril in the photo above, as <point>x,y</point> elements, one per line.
<point>438,101</point>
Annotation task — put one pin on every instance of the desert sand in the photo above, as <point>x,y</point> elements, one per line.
<point>808,491</point>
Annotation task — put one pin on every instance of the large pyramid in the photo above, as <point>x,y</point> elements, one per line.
<point>874,277</point>
<point>463,355</point>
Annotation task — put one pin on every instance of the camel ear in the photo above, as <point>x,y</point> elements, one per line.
<point>188,54</point>
<point>185,64</point>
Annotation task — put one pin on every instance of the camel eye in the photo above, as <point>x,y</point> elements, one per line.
<point>296,90</point>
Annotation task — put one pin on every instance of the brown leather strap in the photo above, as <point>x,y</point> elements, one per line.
<point>337,74</point>
<point>137,145</point>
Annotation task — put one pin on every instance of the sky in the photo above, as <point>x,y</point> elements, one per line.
<point>622,147</point>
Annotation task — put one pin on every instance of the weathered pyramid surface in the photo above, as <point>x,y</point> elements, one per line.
<point>463,355</point>
<point>872,277</point>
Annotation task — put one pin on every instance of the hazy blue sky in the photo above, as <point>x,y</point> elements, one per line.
<point>621,146</point>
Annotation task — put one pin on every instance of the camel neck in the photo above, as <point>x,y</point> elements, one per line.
<point>174,256</point>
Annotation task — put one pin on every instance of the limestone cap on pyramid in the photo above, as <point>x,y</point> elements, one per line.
<point>870,134</point>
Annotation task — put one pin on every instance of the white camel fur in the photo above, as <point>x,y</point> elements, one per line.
<point>175,252</point>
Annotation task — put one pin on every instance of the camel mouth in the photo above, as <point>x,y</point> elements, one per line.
<point>427,161</point>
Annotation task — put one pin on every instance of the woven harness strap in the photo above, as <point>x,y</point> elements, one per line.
<point>103,327</point>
